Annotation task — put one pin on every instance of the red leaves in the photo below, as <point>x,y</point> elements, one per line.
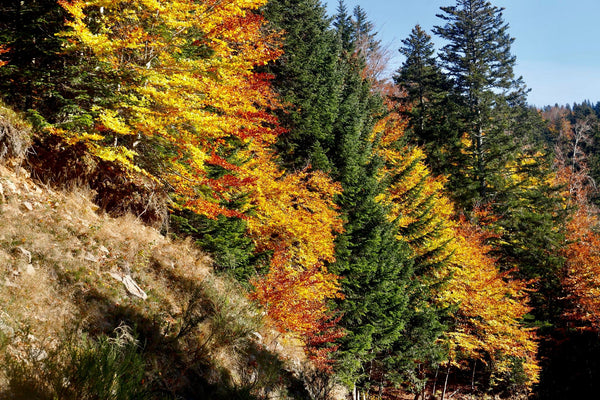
<point>582,252</point>
<point>204,110</point>
<point>3,50</point>
<point>320,345</point>
<point>295,297</point>
<point>582,277</point>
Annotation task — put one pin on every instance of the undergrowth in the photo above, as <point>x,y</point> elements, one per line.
<point>81,368</point>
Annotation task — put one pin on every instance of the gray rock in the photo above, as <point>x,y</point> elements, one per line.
<point>26,253</point>
<point>90,257</point>
<point>6,329</point>
<point>258,336</point>
<point>10,188</point>
<point>131,286</point>
<point>29,270</point>
<point>9,283</point>
<point>38,354</point>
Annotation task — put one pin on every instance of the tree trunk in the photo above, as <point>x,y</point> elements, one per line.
<point>473,376</point>
<point>437,369</point>
<point>481,164</point>
<point>446,383</point>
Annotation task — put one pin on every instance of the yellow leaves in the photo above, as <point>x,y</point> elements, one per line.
<point>416,198</point>
<point>196,102</point>
<point>294,216</point>
<point>188,83</point>
<point>295,212</point>
<point>110,120</point>
<point>517,174</point>
<point>74,8</point>
<point>489,307</point>
<point>119,154</point>
<point>153,5</point>
<point>72,138</point>
<point>97,42</point>
<point>197,156</point>
<point>189,93</point>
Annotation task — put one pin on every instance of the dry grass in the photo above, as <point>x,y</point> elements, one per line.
<point>57,253</point>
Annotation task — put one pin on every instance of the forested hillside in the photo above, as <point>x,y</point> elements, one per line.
<point>276,218</point>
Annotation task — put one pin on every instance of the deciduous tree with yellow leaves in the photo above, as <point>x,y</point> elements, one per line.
<point>485,306</point>
<point>489,309</point>
<point>189,96</point>
<point>193,117</point>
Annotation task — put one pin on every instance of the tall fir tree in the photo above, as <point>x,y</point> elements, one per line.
<point>307,79</point>
<point>365,36</point>
<point>479,62</point>
<point>379,286</point>
<point>375,266</point>
<point>426,103</point>
<point>529,217</point>
<point>506,175</point>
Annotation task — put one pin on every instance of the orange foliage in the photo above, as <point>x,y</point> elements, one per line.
<point>3,50</point>
<point>296,300</point>
<point>294,216</point>
<point>582,279</point>
<point>187,82</point>
<point>582,253</point>
<point>295,297</point>
<point>489,307</point>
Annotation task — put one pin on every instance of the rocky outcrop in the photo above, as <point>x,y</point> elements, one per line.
<point>15,136</point>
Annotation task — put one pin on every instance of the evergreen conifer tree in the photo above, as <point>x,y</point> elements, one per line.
<point>365,36</point>
<point>43,78</point>
<point>382,299</point>
<point>331,110</point>
<point>306,77</point>
<point>479,62</point>
<point>530,217</point>
<point>426,102</point>
<point>375,266</point>
<point>506,175</point>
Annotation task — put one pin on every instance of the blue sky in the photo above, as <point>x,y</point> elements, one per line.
<point>557,42</point>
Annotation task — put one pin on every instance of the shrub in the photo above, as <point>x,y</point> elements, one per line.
<point>105,368</point>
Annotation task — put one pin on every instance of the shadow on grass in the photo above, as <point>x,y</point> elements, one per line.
<point>177,360</point>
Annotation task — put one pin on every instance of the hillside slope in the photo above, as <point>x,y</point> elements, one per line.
<point>92,304</point>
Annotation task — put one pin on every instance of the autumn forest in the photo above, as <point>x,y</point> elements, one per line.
<point>425,234</point>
